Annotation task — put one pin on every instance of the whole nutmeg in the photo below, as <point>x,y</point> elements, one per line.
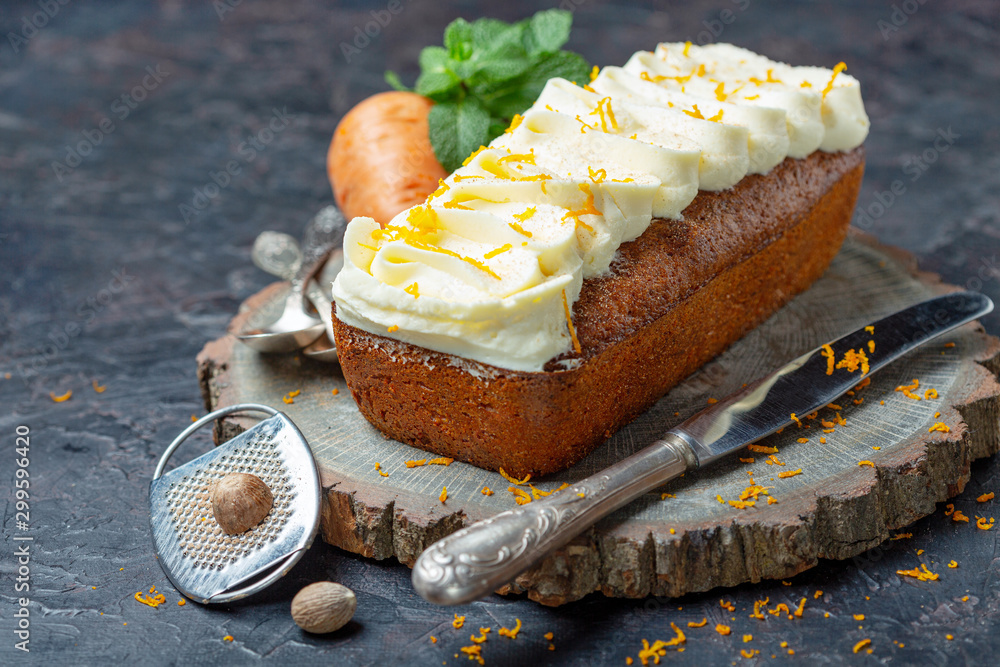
<point>240,501</point>
<point>323,607</point>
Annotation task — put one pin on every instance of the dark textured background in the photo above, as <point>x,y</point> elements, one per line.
<point>64,323</point>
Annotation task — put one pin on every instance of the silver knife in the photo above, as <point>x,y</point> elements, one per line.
<point>476,560</point>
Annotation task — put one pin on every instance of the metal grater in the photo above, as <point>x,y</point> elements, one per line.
<point>204,563</point>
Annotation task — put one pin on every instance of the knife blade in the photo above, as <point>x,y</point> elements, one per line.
<point>475,560</point>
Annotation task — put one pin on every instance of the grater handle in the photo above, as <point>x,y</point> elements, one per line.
<point>186,433</point>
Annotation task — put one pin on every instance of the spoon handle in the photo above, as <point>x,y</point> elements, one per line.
<point>277,253</point>
<point>324,233</point>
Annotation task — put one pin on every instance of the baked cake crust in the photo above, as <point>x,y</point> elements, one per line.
<point>675,298</point>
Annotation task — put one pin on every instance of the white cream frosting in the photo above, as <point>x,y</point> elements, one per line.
<point>489,268</point>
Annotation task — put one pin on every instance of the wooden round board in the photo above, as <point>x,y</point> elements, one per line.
<point>686,541</point>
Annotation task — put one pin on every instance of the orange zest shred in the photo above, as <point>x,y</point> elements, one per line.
<point>748,652</point>
<point>790,473</point>
<point>378,468</point>
<point>722,629</point>
<point>487,491</point>
<point>444,494</point>
<point>907,389</point>
<point>772,460</point>
<point>606,114</point>
<point>413,290</point>
<point>512,480</point>
<point>949,509</point>
<point>525,215</point>
<point>514,123</point>
<point>798,610</point>
<point>416,462</point>
<point>866,463</point>
<point>687,48</point>
<point>442,461</point>
<point>569,324</point>
<point>781,608</point>
<point>758,605</point>
<point>727,605</point>
<point>930,394</point>
<point>985,497</point>
<point>859,617</point>
<point>482,636</point>
<point>920,574</point>
<point>538,493</point>
<point>864,643</point>
<point>827,352</point>
<point>511,632</point>
<point>97,388</point>
<point>473,652</point>
<point>659,647</point>
<point>700,624</point>
<point>597,176</point>
<point>953,564</point>
<point>227,638</point>
<point>472,156</point>
<point>939,426</point>
<point>493,253</point>
<point>838,68</point>
<point>853,360</point>
<point>61,399</point>
<point>458,622</point>
<point>434,640</point>
<point>901,536</point>
<point>153,600</point>
<point>982,523</point>
<point>518,228</point>
<point>761,449</point>
<point>526,158</point>
<point>393,329</point>
<point>695,112</point>
<point>521,497</point>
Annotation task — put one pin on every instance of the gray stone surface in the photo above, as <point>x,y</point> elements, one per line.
<point>66,320</point>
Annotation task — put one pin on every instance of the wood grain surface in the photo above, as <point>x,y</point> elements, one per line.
<point>689,540</point>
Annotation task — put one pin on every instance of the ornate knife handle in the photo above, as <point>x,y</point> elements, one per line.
<point>476,560</point>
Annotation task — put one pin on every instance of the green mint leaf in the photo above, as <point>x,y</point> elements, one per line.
<point>568,65</point>
<point>437,86</point>
<point>392,79</point>
<point>487,32</point>
<point>515,96</point>
<point>458,39</point>
<point>547,31</point>
<point>436,78</point>
<point>456,130</point>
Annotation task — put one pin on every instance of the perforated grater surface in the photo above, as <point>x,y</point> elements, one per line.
<point>204,563</point>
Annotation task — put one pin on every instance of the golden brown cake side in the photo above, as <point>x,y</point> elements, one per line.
<point>676,297</point>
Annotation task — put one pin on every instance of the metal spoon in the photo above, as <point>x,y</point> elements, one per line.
<point>324,348</point>
<point>278,254</point>
<point>295,327</point>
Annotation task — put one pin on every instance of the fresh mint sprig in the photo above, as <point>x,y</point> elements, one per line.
<point>486,72</point>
